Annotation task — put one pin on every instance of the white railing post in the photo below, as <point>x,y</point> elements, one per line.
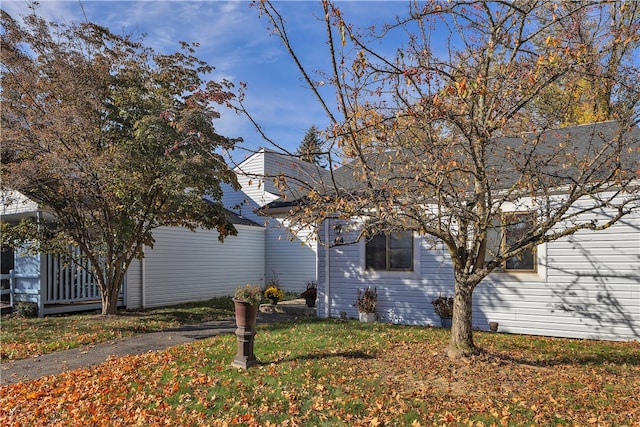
<point>12,286</point>
<point>42,294</point>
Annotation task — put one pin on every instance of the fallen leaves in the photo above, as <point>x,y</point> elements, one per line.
<point>342,373</point>
<point>26,337</point>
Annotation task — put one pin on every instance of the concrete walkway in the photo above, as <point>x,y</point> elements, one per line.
<point>67,360</point>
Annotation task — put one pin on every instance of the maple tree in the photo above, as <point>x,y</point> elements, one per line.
<point>113,138</point>
<point>454,129</point>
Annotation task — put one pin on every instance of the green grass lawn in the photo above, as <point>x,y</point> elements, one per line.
<point>23,337</point>
<point>331,372</point>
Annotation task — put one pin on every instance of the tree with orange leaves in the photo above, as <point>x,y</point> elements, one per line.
<point>455,135</point>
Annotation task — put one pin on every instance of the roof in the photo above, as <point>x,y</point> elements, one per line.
<point>236,219</point>
<point>576,141</point>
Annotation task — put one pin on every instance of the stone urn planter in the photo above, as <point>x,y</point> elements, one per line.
<point>246,302</point>
<point>246,314</point>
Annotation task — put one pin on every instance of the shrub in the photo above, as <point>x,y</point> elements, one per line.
<point>25,309</point>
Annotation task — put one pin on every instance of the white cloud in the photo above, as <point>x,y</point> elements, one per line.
<point>235,40</point>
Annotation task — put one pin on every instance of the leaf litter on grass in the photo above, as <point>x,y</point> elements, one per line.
<point>339,373</point>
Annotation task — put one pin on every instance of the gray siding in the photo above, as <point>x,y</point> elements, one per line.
<point>591,289</point>
<point>586,286</point>
<point>403,298</point>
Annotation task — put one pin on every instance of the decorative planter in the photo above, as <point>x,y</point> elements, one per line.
<point>493,326</point>
<point>274,300</point>
<point>246,315</point>
<point>367,317</point>
<point>445,322</point>
<point>311,301</point>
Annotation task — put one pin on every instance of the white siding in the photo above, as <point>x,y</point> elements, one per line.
<point>403,298</point>
<point>186,266</point>
<point>587,286</point>
<point>292,258</point>
<point>253,192</point>
<point>591,289</point>
<point>134,285</point>
<point>13,202</point>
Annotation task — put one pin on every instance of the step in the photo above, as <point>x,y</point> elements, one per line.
<point>296,307</point>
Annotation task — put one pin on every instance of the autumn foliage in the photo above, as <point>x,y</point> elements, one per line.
<point>110,137</point>
<point>453,112</point>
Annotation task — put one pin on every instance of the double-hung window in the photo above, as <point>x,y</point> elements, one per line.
<point>390,252</point>
<point>515,227</point>
<point>510,228</point>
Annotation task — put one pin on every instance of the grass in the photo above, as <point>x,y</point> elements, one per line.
<point>320,372</point>
<point>26,337</point>
<point>331,372</point>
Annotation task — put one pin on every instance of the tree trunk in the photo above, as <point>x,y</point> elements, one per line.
<point>109,295</point>
<point>461,343</point>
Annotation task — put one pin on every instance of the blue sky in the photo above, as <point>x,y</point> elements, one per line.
<point>235,40</point>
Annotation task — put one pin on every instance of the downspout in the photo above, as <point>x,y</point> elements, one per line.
<point>327,279</point>
<point>143,284</point>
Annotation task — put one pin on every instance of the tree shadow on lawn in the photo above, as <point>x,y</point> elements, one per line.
<point>561,356</point>
<point>355,354</point>
<point>579,359</point>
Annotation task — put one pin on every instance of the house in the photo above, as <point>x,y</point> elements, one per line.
<point>586,285</point>
<point>183,265</point>
<point>289,257</point>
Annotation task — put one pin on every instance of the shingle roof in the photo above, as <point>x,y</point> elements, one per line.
<point>236,219</point>
<point>581,140</point>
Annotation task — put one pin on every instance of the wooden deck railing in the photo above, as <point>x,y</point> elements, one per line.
<point>68,281</point>
<point>7,288</point>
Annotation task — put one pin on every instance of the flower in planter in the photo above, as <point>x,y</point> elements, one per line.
<point>273,293</point>
<point>312,290</point>
<point>443,306</point>
<point>367,300</point>
<point>310,294</point>
<point>250,294</point>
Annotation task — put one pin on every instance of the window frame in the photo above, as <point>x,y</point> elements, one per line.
<point>388,254</point>
<point>503,242</point>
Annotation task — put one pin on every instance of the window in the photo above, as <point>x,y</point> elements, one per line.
<point>390,252</point>
<point>516,227</point>
<point>508,229</point>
